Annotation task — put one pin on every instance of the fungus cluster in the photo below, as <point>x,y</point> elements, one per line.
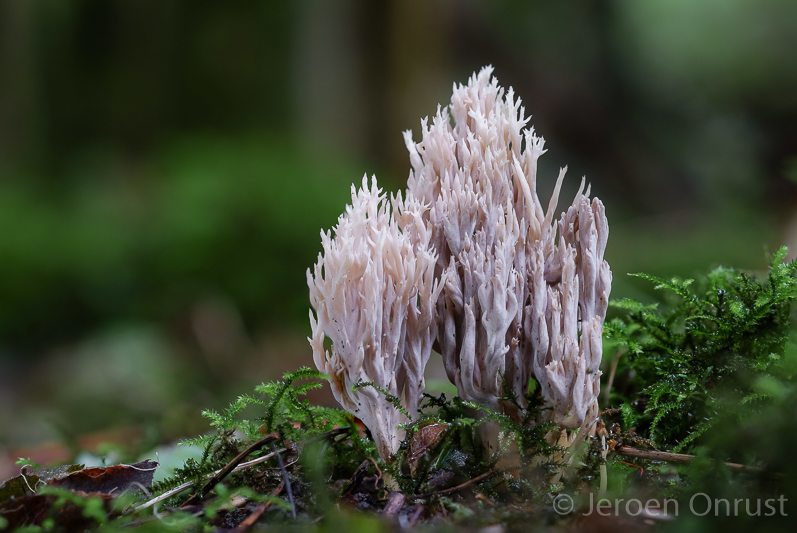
<point>470,259</point>
<point>373,291</point>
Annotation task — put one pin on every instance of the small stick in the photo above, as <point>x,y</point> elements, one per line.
<point>469,482</point>
<point>358,476</point>
<point>608,390</point>
<point>285,480</point>
<point>641,470</point>
<point>394,503</point>
<point>224,472</point>
<point>678,458</point>
<point>255,515</point>
<point>165,496</point>
<point>188,484</point>
<point>379,473</point>
<point>416,514</point>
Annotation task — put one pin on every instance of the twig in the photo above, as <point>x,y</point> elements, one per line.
<point>255,515</point>
<point>469,482</point>
<point>285,480</point>
<point>609,383</point>
<point>165,496</point>
<point>358,476</point>
<point>394,503</point>
<point>379,473</point>
<point>188,484</point>
<point>224,472</point>
<point>416,514</point>
<point>288,465</point>
<point>145,490</point>
<point>678,458</point>
<point>641,470</point>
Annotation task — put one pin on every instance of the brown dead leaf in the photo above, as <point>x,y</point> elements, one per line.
<point>108,479</point>
<point>17,486</point>
<point>424,438</point>
<point>28,478</point>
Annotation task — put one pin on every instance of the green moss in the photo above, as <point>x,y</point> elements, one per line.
<point>690,363</point>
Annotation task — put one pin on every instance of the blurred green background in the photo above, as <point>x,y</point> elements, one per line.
<point>166,167</point>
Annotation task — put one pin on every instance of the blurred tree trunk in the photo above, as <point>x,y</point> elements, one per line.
<point>20,119</point>
<point>362,70</point>
<point>422,70</point>
<point>328,77</point>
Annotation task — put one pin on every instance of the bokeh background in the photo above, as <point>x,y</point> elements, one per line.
<point>166,167</point>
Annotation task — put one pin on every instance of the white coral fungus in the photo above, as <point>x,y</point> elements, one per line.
<point>518,299</point>
<point>472,259</point>
<point>373,291</point>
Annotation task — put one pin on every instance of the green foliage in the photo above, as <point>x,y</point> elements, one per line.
<point>527,427</point>
<point>200,215</point>
<point>283,411</point>
<point>92,507</point>
<point>706,371</point>
<point>226,495</point>
<point>691,363</point>
<point>460,447</point>
<point>296,418</point>
<point>708,363</point>
<point>22,461</point>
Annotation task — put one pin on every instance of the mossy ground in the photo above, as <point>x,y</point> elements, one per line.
<point>708,371</point>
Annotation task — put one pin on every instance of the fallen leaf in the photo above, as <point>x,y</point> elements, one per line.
<point>108,479</point>
<point>17,487</point>
<point>424,438</point>
<point>26,481</point>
